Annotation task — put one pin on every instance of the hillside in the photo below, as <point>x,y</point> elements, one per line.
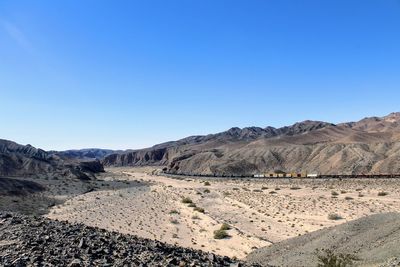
<point>89,153</point>
<point>370,145</point>
<point>373,240</point>
<point>22,161</point>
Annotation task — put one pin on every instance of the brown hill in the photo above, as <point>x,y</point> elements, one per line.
<point>368,146</point>
<point>21,161</point>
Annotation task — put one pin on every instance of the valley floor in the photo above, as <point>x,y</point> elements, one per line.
<point>260,212</point>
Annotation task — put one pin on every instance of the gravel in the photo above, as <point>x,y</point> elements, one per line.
<point>36,241</point>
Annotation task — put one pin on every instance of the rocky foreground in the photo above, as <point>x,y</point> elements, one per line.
<point>35,241</point>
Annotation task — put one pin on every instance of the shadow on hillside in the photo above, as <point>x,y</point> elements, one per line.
<point>35,196</point>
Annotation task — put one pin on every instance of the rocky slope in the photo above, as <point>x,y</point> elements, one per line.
<point>14,187</point>
<point>34,241</point>
<point>374,240</point>
<point>89,153</point>
<point>371,145</point>
<point>21,161</point>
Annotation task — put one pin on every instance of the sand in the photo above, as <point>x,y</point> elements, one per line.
<point>261,212</point>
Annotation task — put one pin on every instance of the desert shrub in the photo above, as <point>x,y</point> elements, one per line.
<point>382,194</point>
<point>225,226</point>
<point>334,193</point>
<point>174,212</point>
<point>257,190</point>
<point>207,183</point>
<point>192,205</point>
<point>327,258</point>
<point>272,192</point>
<point>186,200</point>
<point>295,188</point>
<point>195,217</point>
<point>173,221</point>
<point>334,216</point>
<point>343,192</point>
<point>348,198</point>
<point>198,209</point>
<point>264,188</point>
<point>226,194</point>
<point>206,191</point>
<point>220,234</point>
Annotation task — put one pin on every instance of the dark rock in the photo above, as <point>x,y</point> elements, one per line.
<point>43,242</point>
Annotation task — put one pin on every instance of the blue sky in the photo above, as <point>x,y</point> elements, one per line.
<point>130,74</point>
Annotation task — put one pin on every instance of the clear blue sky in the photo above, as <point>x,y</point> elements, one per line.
<point>130,74</point>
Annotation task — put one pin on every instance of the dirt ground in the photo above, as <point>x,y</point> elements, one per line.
<point>259,211</point>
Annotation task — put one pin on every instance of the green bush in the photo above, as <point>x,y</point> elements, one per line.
<point>186,200</point>
<point>198,209</point>
<point>225,226</point>
<point>334,216</point>
<point>174,212</point>
<point>220,234</point>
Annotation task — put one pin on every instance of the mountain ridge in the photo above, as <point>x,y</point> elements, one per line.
<point>366,146</point>
<point>25,160</point>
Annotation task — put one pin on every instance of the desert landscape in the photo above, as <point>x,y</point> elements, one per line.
<point>143,198</point>
<point>259,212</point>
<point>199,133</point>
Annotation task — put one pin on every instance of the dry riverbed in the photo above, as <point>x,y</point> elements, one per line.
<point>260,212</point>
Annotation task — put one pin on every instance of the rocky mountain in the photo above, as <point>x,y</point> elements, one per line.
<point>21,161</point>
<point>369,146</point>
<point>89,153</point>
<point>35,241</point>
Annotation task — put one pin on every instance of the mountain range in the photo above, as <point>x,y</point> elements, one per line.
<point>368,146</point>
<point>25,160</point>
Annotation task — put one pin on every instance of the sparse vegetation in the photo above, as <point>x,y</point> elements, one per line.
<point>334,216</point>
<point>198,209</point>
<point>174,212</point>
<point>327,258</point>
<point>382,194</point>
<point>295,188</point>
<point>207,183</point>
<point>334,193</point>
<point>220,234</point>
<point>186,200</point>
<point>174,221</point>
<point>225,226</point>
<point>207,191</point>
